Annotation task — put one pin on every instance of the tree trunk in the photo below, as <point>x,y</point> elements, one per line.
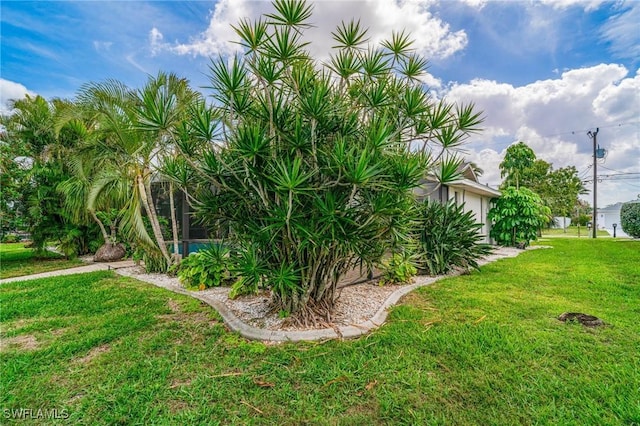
<point>147,202</point>
<point>102,228</point>
<point>174,223</point>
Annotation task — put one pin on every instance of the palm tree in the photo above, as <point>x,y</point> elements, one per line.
<point>162,107</point>
<point>130,132</point>
<point>43,147</point>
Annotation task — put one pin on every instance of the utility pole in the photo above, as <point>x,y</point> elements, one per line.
<point>594,228</point>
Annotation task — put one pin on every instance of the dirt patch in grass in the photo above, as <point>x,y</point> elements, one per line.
<point>178,383</point>
<point>93,353</point>
<point>11,326</point>
<point>176,405</point>
<point>26,342</point>
<point>174,306</point>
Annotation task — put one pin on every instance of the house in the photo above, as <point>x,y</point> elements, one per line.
<point>466,190</point>
<point>560,222</point>
<point>608,216</point>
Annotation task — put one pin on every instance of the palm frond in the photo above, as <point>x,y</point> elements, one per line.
<point>291,13</point>
<point>350,36</point>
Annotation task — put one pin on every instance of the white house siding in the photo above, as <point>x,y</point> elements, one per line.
<point>477,204</point>
<point>608,216</point>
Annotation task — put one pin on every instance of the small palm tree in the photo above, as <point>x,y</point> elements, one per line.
<point>42,147</point>
<point>130,131</point>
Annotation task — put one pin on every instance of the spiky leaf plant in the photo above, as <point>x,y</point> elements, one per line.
<point>448,238</point>
<point>311,165</point>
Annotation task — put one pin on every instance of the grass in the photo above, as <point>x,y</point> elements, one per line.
<point>16,260</point>
<point>572,231</point>
<point>485,348</point>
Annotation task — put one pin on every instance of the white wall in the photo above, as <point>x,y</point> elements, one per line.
<point>477,204</point>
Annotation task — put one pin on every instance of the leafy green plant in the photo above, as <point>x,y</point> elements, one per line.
<point>316,171</point>
<point>582,220</point>
<point>249,270</point>
<point>11,238</point>
<point>398,269</point>
<point>69,243</point>
<point>448,238</point>
<point>152,259</point>
<point>630,218</point>
<point>206,268</point>
<point>517,215</point>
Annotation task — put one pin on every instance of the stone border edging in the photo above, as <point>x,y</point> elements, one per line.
<point>341,332</point>
<point>254,333</point>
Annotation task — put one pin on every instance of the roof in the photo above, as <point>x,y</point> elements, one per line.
<point>475,187</point>
<point>615,207</point>
<point>467,172</point>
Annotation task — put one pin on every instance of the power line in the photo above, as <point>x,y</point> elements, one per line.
<point>619,174</point>
<point>574,132</point>
<point>620,171</point>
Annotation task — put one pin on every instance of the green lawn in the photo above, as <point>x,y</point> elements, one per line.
<point>16,260</point>
<point>482,349</point>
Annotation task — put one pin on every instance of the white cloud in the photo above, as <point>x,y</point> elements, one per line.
<point>564,4</point>
<point>622,32</point>
<point>131,59</point>
<point>477,4</point>
<point>218,38</point>
<point>102,46</point>
<point>619,102</point>
<point>156,41</point>
<point>433,37</point>
<point>553,116</point>
<point>10,90</point>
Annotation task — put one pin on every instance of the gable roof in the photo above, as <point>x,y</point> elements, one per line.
<point>467,172</point>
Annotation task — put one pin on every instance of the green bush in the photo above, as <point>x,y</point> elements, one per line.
<point>518,215</point>
<point>318,168</point>
<point>581,220</point>
<point>448,238</point>
<point>398,269</point>
<point>11,238</point>
<point>249,270</point>
<point>630,219</point>
<point>206,268</point>
<point>153,260</point>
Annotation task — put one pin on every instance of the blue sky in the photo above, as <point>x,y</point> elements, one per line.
<point>544,72</point>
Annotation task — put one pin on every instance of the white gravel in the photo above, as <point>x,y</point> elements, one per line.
<point>355,305</point>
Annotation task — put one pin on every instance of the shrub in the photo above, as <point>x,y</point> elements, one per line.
<point>517,216</point>
<point>250,271</point>
<point>581,220</point>
<point>206,268</point>
<point>11,238</point>
<point>153,260</point>
<point>318,168</point>
<point>398,269</point>
<point>448,238</point>
<point>630,218</point>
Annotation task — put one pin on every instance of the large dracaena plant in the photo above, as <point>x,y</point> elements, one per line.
<point>312,165</point>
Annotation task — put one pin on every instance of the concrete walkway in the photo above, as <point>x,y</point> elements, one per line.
<point>254,333</point>
<point>78,270</point>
